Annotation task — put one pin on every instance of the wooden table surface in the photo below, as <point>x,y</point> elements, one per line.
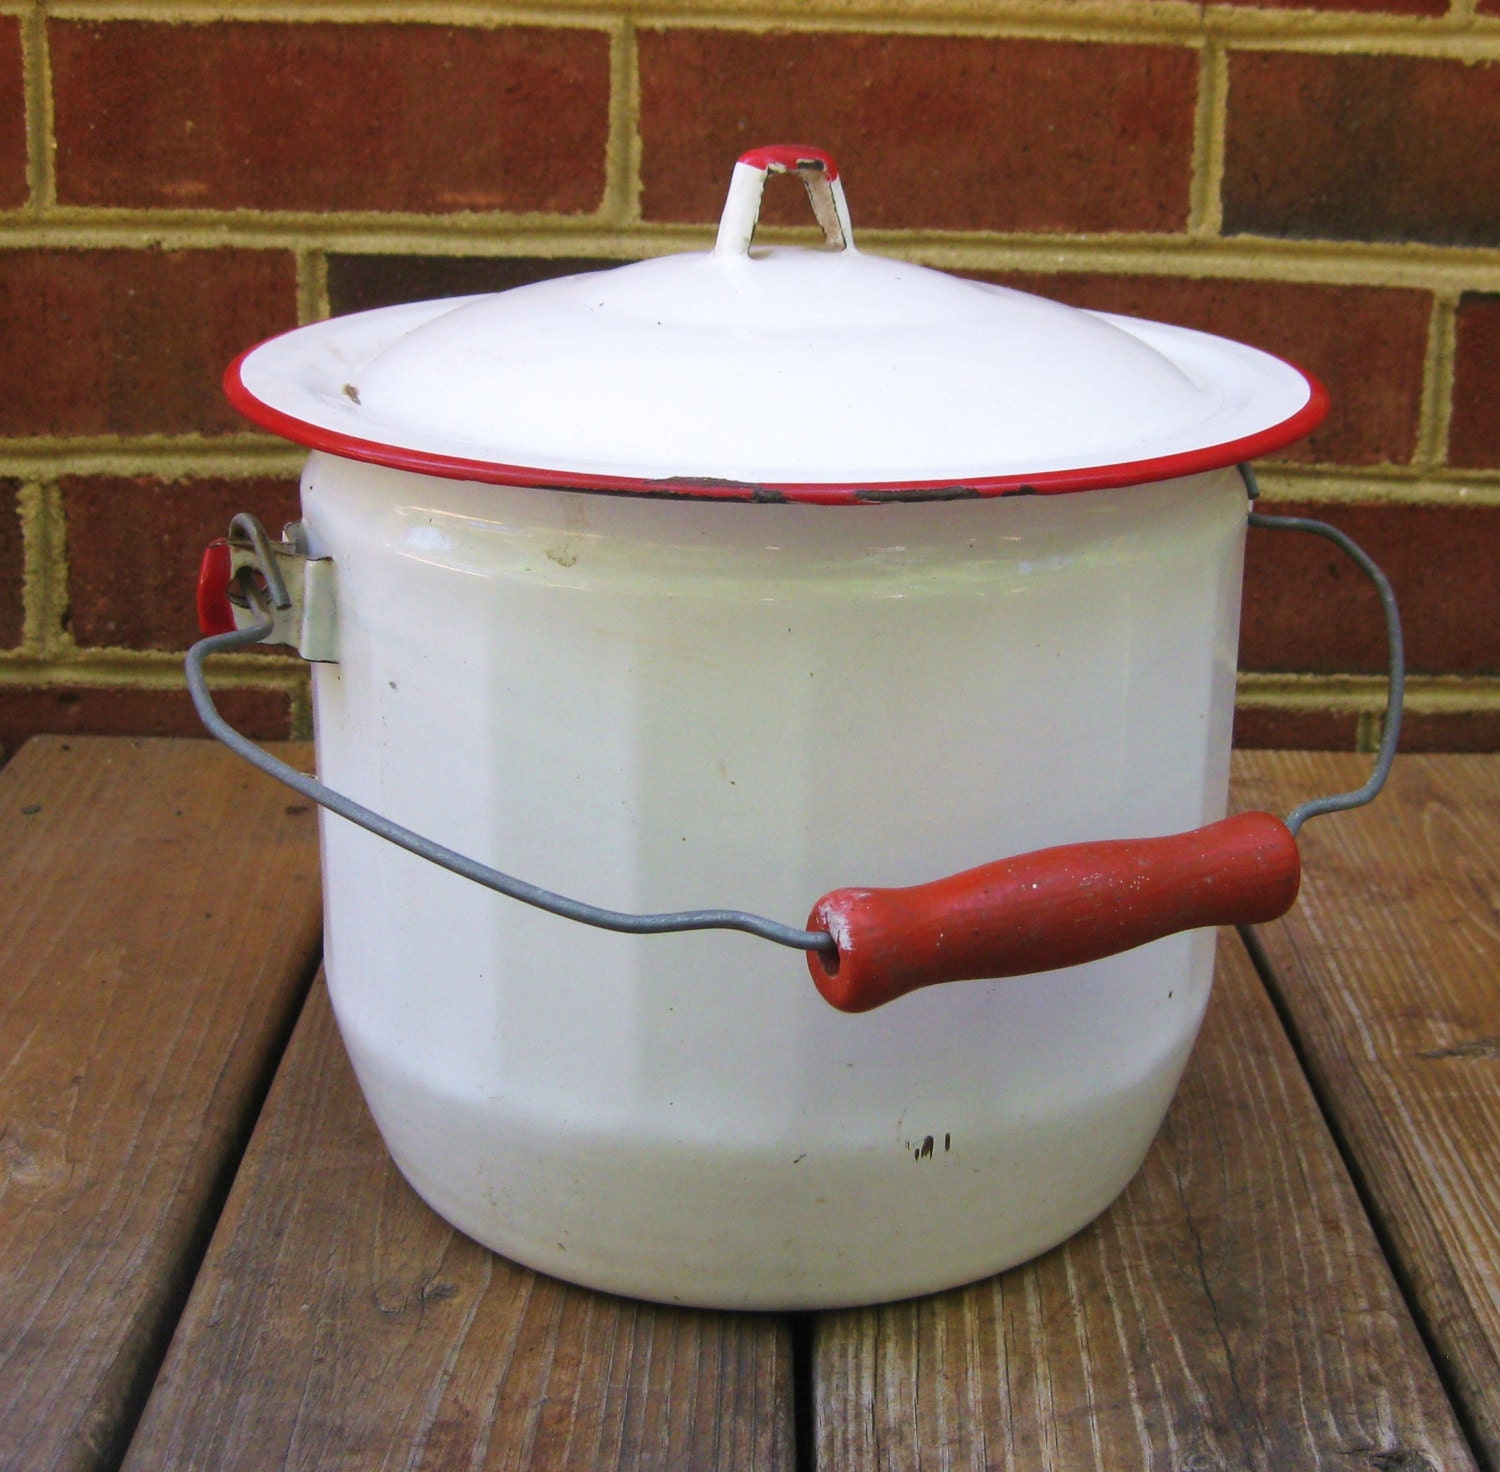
<point>207,1260</point>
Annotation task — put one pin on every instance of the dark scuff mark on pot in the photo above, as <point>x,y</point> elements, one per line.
<point>713,488</point>
<point>751,490</point>
<point>873,496</point>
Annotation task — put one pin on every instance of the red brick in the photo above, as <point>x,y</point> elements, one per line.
<point>14,189</point>
<point>1307,607</point>
<point>1367,344</point>
<point>27,711</point>
<point>358,283</point>
<point>134,546</point>
<point>1362,148</point>
<point>330,117</point>
<point>1262,729</point>
<point>1329,730</point>
<point>1474,434</point>
<point>1458,730</point>
<point>132,342</point>
<point>934,132</point>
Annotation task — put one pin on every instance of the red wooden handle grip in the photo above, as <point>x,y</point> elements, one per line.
<point>1055,907</point>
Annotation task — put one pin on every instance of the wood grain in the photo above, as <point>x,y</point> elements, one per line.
<point>159,919</point>
<point>338,1322</point>
<point>1231,1310</point>
<point>1389,972</point>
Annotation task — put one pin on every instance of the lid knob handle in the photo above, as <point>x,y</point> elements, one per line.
<point>818,172</point>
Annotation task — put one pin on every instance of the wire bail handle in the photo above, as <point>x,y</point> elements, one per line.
<point>1395,699</point>
<point>1033,912</point>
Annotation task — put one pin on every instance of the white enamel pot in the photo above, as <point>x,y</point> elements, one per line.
<point>731,579</point>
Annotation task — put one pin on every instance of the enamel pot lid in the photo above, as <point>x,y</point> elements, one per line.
<point>775,374</point>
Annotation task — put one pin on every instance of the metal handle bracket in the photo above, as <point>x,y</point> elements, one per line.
<point>305,615</point>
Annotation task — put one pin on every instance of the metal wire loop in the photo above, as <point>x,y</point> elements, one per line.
<point>250,528</point>
<point>1395,698</point>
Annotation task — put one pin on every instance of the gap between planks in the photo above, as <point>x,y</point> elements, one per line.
<point>338,1321</point>
<point>1385,973</point>
<point>1234,1305</point>
<point>1231,1310</point>
<point>1369,1198</point>
<point>159,917</point>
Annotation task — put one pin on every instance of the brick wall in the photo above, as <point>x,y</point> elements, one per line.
<point>177,182</point>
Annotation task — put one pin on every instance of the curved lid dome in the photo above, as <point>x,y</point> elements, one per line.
<point>818,375</point>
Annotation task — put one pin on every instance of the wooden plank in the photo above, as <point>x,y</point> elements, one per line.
<point>338,1322</point>
<point>1389,972</point>
<point>1231,1310</point>
<point>159,918</point>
